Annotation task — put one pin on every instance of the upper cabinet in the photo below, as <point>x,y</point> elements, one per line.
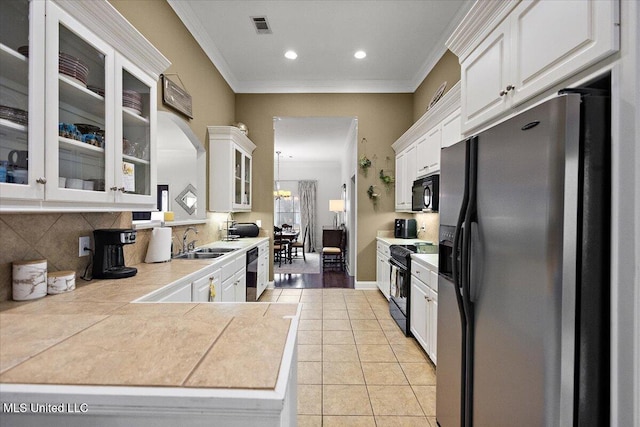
<point>512,51</point>
<point>230,169</point>
<point>86,80</point>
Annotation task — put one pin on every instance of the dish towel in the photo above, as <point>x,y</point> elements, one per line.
<point>394,291</point>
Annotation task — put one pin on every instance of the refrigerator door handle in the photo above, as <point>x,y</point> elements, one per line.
<point>457,285</point>
<point>469,218</point>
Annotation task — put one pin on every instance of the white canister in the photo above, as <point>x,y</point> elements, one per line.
<point>59,282</point>
<point>87,185</point>
<point>62,182</point>
<point>29,279</point>
<point>74,183</point>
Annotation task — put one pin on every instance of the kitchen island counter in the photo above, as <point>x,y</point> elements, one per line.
<point>148,363</point>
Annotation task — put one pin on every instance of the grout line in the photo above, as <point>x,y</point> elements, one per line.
<point>206,353</point>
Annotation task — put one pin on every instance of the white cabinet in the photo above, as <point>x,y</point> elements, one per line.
<point>230,169</point>
<point>90,140</point>
<point>538,44</point>
<point>419,311</point>
<point>432,324</point>
<point>383,269</point>
<point>263,268</point>
<point>405,175</point>
<point>202,288</point>
<point>234,279</point>
<point>179,291</point>
<point>428,152</point>
<point>451,129</point>
<point>424,307</point>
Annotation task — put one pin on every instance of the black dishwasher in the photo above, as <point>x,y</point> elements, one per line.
<point>252,274</point>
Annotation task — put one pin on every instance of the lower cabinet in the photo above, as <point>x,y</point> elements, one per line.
<point>234,280</point>
<point>208,288</point>
<point>424,316</point>
<point>179,292</point>
<point>263,268</point>
<point>383,269</point>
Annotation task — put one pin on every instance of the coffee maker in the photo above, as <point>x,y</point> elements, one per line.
<point>108,258</point>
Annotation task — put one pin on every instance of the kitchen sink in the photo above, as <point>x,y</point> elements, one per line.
<point>205,253</point>
<point>199,255</point>
<point>215,250</point>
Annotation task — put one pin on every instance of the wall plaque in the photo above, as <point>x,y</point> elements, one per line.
<point>176,97</point>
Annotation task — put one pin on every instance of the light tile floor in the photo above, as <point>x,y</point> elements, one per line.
<point>355,367</point>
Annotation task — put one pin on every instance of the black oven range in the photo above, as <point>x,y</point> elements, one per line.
<point>400,293</point>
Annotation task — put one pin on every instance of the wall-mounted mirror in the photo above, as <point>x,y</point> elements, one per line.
<point>182,171</point>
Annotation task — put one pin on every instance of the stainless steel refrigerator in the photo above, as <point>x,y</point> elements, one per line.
<point>523,292</point>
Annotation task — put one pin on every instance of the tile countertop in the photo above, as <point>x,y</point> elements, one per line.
<point>428,260</point>
<point>396,241</point>
<point>94,336</point>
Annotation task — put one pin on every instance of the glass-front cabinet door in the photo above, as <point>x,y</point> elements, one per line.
<point>21,115</point>
<point>135,144</point>
<point>237,176</point>
<point>241,180</point>
<point>80,107</point>
<point>247,181</point>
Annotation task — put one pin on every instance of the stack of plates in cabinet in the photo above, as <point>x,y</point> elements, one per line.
<point>67,65</point>
<point>72,67</point>
<point>14,115</point>
<point>133,100</point>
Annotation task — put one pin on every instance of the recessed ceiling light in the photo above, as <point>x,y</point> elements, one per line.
<point>290,54</point>
<point>360,54</point>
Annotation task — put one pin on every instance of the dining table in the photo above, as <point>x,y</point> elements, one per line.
<point>289,236</point>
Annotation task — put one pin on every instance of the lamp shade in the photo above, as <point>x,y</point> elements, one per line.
<point>336,205</point>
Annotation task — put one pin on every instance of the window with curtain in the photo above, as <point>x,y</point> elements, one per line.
<point>287,209</point>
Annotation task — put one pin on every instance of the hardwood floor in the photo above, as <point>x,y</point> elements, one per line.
<point>326,279</point>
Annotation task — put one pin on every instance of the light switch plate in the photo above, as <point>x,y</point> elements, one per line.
<point>84,242</point>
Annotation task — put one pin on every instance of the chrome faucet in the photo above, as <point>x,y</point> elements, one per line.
<point>187,247</point>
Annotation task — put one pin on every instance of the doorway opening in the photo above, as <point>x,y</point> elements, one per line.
<point>315,164</point>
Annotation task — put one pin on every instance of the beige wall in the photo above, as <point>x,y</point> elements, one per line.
<point>446,70</point>
<point>382,118</point>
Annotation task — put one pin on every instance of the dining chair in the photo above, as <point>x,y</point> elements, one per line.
<point>333,248</point>
<point>280,246</point>
<point>298,244</point>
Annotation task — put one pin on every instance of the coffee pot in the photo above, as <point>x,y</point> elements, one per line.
<point>108,257</point>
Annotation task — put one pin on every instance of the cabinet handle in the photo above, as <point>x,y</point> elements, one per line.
<point>41,180</point>
<point>122,189</point>
<point>510,88</point>
<point>113,188</point>
<point>503,93</point>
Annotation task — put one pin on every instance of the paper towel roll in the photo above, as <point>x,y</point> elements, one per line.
<point>159,245</point>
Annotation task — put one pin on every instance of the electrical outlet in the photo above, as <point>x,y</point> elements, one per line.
<point>84,242</point>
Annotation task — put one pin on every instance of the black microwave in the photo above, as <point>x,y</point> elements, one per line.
<point>424,194</point>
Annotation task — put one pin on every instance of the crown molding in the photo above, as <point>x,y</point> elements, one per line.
<point>437,53</point>
<point>326,86</point>
<point>481,19</point>
<point>192,22</point>
<point>449,103</point>
<point>231,133</point>
<point>109,25</point>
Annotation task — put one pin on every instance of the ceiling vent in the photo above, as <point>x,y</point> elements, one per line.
<point>261,24</point>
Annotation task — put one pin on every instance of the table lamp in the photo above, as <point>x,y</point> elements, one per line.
<point>336,206</point>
